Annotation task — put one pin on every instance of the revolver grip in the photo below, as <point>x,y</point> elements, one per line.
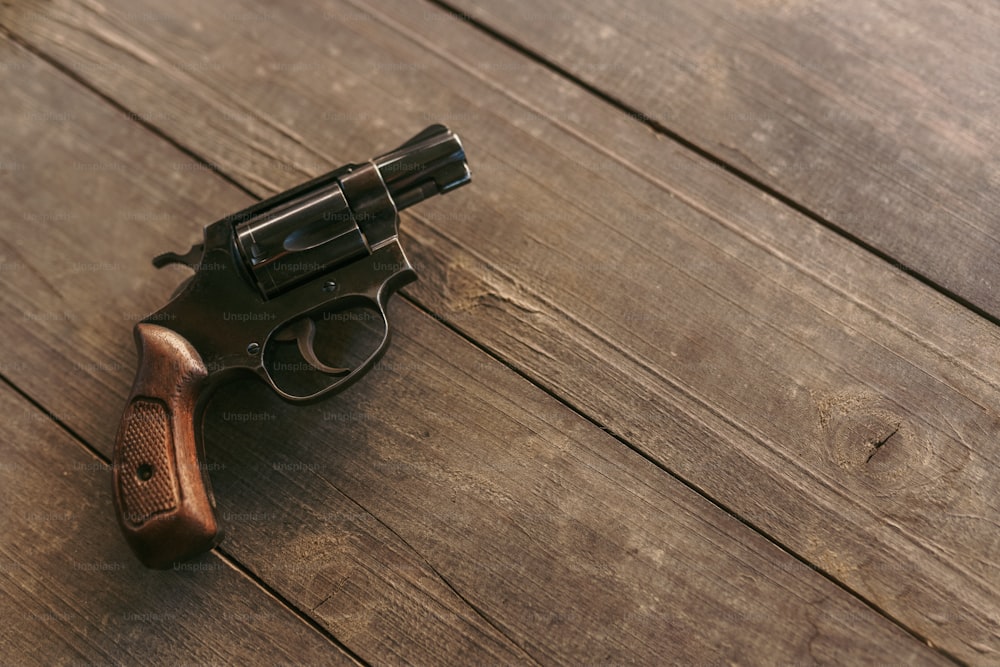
<point>161,492</point>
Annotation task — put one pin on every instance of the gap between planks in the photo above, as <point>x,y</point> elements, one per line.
<point>706,154</point>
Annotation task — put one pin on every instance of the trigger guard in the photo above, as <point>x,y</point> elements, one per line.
<point>345,380</point>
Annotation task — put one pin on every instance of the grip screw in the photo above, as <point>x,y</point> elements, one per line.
<point>329,286</point>
<point>253,348</point>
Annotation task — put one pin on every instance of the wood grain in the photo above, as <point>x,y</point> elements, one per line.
<point>880,117</point>
<point>453,512</point>
<point>827,399</point>
<point>72,593</point>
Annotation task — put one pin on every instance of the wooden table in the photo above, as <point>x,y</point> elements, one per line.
<point>701,369</point>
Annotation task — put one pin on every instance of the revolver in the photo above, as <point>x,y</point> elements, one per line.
<point>265,282</point>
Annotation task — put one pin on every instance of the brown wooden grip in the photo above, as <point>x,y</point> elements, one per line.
<point>161,492</point>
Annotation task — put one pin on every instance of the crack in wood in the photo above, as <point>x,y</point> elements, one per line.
<point>881,443</point>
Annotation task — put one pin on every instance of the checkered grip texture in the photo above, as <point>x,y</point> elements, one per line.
<point>146,450</point>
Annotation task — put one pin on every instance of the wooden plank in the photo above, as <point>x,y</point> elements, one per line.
<point>757,355</point>
<point>71,593</point>
<point>880,117</point>
<point>453,512</point>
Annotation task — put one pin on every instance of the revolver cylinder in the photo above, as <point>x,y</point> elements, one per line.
<point>347,214</point>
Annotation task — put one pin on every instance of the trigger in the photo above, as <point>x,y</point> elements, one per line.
<point>304,331</point>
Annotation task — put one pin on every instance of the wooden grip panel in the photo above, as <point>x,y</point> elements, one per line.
<point>162,497</point>
<point>149,485</point>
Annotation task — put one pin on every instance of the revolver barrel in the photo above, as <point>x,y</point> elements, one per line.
<point>431,163</point>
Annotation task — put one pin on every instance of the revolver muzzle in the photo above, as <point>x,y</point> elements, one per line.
<point>431,163</point>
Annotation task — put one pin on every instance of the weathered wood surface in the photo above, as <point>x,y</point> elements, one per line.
<point>443,511</point>
<point>72,593</point>
<point>830,401</point>
<point>880,117</point>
